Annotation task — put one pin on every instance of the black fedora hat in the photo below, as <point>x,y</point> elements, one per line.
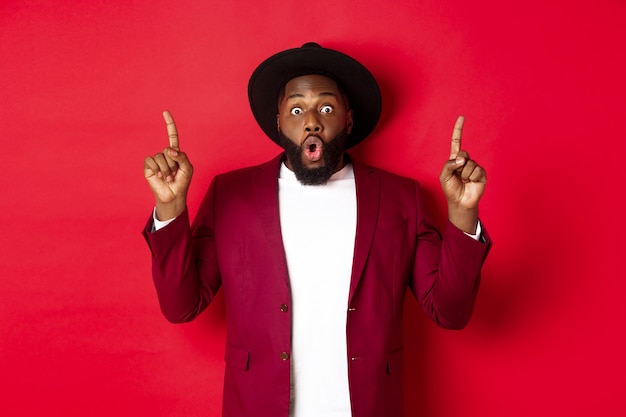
<point>356,81</point>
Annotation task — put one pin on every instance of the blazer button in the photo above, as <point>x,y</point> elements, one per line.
<point>284,308</point>
<point>284,356</point>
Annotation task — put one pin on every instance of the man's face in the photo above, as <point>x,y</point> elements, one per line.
<point>313,122</point>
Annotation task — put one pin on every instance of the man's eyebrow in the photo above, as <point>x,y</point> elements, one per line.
<point>324,93</point>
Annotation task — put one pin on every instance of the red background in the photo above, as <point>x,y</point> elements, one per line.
<point>82,87</point>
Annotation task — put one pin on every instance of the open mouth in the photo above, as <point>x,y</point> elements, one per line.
<point>313,148</point>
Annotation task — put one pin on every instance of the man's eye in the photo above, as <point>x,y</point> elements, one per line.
<point>296,111</point>
<point>327,109</point>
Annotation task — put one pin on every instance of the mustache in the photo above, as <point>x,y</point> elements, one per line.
<point>333,153</point>
<point>312,135</point>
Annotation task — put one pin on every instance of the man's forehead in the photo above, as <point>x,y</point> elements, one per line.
<point>310,82</point>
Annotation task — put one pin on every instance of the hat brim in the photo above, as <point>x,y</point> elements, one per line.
<point>273,73</point>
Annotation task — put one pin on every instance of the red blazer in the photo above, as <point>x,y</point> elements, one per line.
<point>235,243</point>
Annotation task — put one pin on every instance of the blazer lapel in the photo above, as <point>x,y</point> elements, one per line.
<point>367,196</point>
<point>265,198</point>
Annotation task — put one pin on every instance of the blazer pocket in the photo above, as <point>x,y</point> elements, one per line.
<point>237,358</point>
<point>395,362</point>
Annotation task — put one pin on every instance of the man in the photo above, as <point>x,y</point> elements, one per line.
<point>314,251</point>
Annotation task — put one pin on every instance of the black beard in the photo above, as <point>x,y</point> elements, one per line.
<point>332,155</point>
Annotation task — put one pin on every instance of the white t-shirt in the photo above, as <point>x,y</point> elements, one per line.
<point>318,224</point>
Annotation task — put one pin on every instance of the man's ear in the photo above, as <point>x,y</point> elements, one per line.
<point>349,121</point>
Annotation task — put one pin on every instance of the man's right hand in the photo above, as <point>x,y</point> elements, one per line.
<point>169,174</point>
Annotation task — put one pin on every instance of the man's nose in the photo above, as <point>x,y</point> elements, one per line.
<point>312,123</point>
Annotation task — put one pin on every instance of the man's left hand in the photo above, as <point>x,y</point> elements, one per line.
<point>463,183</point>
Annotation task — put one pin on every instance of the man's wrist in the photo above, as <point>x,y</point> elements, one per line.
<point>159,224</point>
<point>479,232</point>
<point>463,218</point>
<point>168,211</point>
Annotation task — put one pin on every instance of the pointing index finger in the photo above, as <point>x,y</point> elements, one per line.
<point>172,133</point>
<point>455,145</point>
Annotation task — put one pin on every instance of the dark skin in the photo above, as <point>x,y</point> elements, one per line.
<point>463,183</point>
<point>313,104</point>
<point>169,174</point>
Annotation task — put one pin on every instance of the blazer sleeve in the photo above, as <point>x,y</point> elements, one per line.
<point>184,264</point>
<point>446,272</point>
